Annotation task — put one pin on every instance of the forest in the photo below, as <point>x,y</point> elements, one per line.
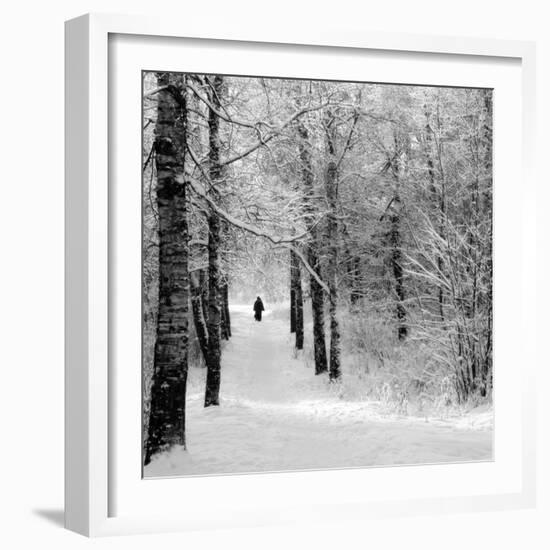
<point>361,213</point>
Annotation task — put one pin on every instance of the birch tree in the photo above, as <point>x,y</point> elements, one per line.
<point>167,411</point>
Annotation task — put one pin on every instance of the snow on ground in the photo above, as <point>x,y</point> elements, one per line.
<point>275,415</point>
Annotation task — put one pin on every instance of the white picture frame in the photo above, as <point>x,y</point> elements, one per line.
<point>90,439</point>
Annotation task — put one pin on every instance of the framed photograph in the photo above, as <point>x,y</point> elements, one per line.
<point>295,290</point>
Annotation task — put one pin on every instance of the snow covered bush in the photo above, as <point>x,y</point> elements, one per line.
<point>404,376</point>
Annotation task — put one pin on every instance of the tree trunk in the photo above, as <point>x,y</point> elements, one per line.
<point>226,319</point>
<point>316,291</point>
<point>318,310</point>
<point>292,304</point>
<point>331,185</point>
<point>297,300</point>
<point>440,205</point>
<point>293,275</point>
<point>395,238</point>
<point>397,267</point>
<point>487,364</point>
<point>213,363</point>
<point>213,359</point>
<point>223,326</point>
<point>167,413</point>
<point>198,314</point>
<point>203,284</point>
<point>228,316</point>
<point>226,306</point>
<point>299,316</point>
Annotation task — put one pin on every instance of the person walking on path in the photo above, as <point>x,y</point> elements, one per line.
<point>258,308</point>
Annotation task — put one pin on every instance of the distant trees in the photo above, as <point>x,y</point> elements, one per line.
<point>372,199</point>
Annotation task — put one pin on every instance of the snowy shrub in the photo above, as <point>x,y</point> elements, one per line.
<point>404,376</point>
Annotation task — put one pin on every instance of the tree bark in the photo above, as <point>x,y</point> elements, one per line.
<point>316,291</point>
<point>213,358</point>
<point>331,186</point>
<point>297,300</point>
<point>487,364</point>
<point>223,325</point>
<point>292,303</point>
<point>397,267</point>
<point>440,205</point>
<point>293,275</point>
<point>203,284</point>
<point>226,319</point>
<point>167,413</point>
<point>396,257</point>
<point>227,314</point>
<point>299,343</point>
<point>198,314</point>
<point>213,363</point>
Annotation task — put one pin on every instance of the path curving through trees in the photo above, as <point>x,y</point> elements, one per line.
<point>274,414</point>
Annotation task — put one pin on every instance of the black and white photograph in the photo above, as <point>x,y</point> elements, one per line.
<point>275,275</point>
<point>317,274</point>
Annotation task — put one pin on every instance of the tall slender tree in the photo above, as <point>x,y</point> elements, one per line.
<point>395,164</point>
<point>487,251</point>
<point>213,360</point>
<point>296,300</point>
<point>331,193</point>
<point>331,185</point>
<point>292,295</point>
<point>167,413</point>
<point>438,205</point>
<point>316,291</point>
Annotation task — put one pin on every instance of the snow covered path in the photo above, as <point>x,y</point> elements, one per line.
<point>275,414</point>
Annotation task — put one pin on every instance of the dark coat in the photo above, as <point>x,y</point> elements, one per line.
<point>258,308</point>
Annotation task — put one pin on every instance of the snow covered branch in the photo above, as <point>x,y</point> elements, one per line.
<point>286,242</point>
<point>263,141</point>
